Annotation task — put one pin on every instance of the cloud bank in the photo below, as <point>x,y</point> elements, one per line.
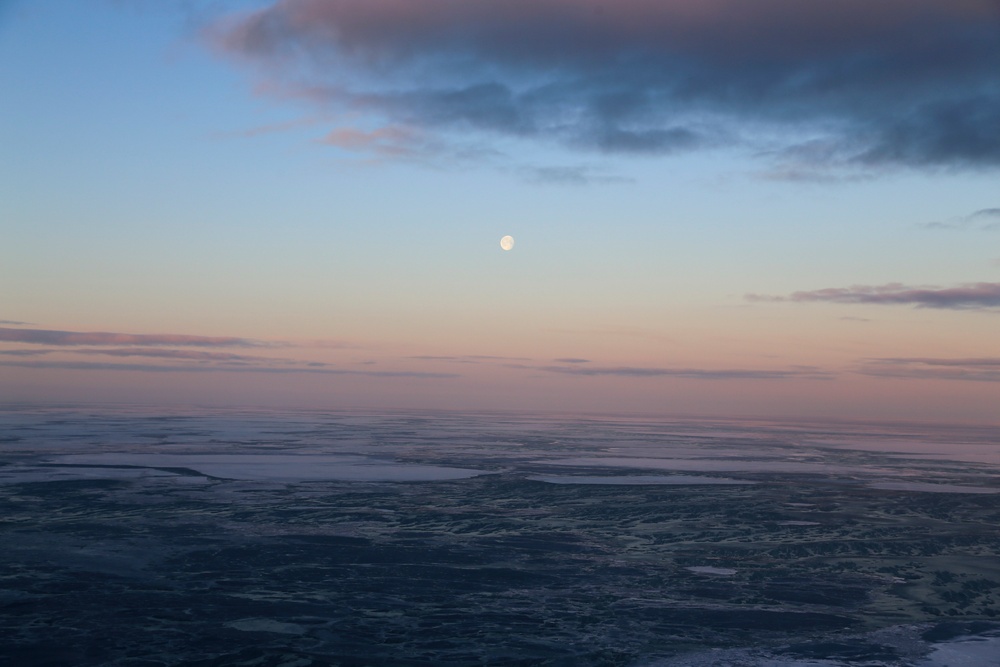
<point>970,296</point>
<point>852,82</point>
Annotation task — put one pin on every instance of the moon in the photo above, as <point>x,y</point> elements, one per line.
<point>507,242</point>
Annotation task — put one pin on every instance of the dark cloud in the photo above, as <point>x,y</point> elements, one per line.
<point>13,323</point>
<point>958,132</point>
<point>70,338</point>
<point>572,360</point>
<point>983,369</point>
<point>853,82</point>
<point>970,296</point>
<point>231,368</point>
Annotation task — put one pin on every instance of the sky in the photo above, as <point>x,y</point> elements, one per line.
<point>767,208</point>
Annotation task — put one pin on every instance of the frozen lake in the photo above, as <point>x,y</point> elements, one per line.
<point>327,538</point>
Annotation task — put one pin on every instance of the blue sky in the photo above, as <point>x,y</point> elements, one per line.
<point>168,169</point>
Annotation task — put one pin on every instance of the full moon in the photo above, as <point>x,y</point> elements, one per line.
<point>507,242</point>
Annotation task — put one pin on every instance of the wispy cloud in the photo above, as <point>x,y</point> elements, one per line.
<point>71,338</point>
<point>391,141</point>
<point>273,128</point>
<point>897,82</point>
<point>979,362</point>
<point>979,369</point>
<point>321,344</point>
<point>969,296</point>
<point>13,323</point>
<point>584,367</point>
<point>466,358</point>
<point>169,368</point>
<point>620,332</point>
<point>986,220</point>
<point>407,142</point>
<point>190,355</point>
<point>172,349</point>
<point>797,372</point>
<point>569,175</point>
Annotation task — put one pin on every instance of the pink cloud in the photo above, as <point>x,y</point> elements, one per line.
<point>391,140</point>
